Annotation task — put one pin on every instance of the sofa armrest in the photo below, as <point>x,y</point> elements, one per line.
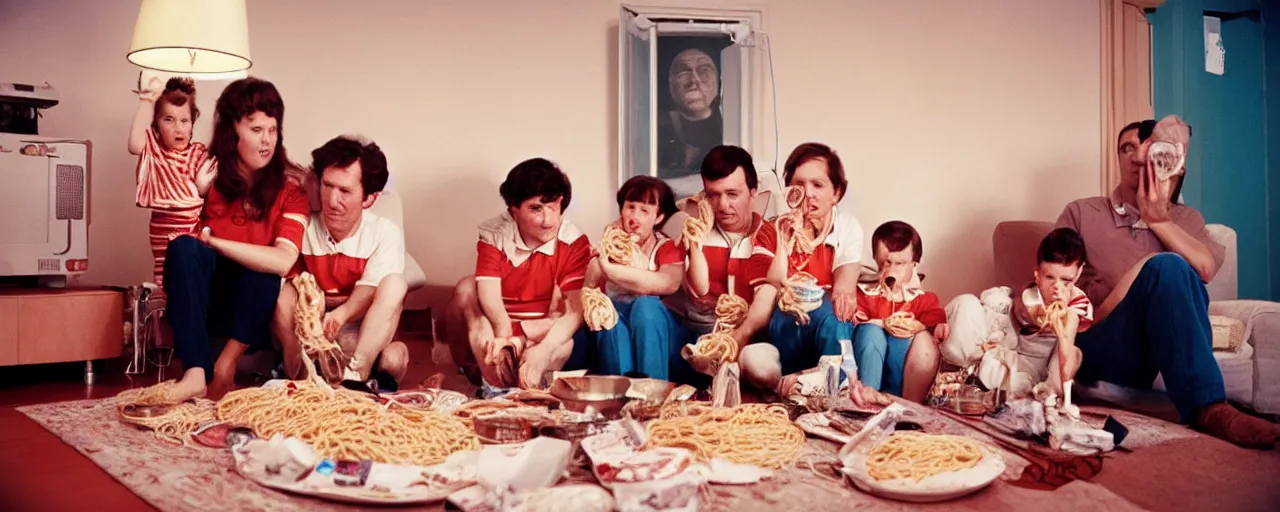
<point>1262,332</point>
<point>389,206</point>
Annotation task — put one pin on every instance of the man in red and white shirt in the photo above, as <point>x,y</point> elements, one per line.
<point>522,308</point>
<point>357,259</point>
<point>718,263</point>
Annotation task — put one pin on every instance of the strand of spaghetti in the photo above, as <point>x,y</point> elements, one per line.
<point>598,311</point>
<point>916,455</point>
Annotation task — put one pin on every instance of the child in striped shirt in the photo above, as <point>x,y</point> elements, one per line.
<point>173,172</point>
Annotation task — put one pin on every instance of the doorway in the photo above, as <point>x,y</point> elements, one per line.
<point>1233,173</point>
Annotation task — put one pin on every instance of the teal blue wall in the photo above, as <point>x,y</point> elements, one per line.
<point>1227,162</point>
<point>1271,34</point>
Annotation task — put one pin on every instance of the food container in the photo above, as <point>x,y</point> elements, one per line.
<point>499,429</point>
<point>603,394</point>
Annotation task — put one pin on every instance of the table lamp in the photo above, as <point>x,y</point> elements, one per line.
<point>200,38</point>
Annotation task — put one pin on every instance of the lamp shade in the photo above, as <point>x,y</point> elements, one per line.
<point>191,36</point>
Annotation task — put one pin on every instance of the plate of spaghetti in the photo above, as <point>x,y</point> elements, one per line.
<point>919,467</point>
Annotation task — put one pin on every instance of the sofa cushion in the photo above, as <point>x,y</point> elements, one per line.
<point>1014,245</point>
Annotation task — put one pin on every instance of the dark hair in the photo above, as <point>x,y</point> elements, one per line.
<point>178,91</point>
<point>342,151</point>
<point>241,99</point>
<point>721,161</point>
<point>649,190</point>
<point>896,236</point>
<point>536,177</point>
<point>803,153</point>
<point>1062,246</point>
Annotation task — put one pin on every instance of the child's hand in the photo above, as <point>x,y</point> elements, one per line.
<point>151,90</point>
<point>941,331</point>
<point>845,305</point>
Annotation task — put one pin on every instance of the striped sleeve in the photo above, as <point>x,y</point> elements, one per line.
<point>388,254</point>
<point>294,216</point>
<point>1082,306</point>
<point>762,246</point>
<point>574,268</point>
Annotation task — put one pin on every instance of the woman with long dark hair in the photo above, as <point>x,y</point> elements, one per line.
<point>223,281</point>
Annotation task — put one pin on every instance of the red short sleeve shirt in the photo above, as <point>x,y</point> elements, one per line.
<point>529,276</point>
<point>285,221</point>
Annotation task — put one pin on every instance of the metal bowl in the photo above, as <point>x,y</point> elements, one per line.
<point>605,394</point>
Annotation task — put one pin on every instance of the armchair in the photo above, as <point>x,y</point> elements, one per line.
<point>1251,373</point>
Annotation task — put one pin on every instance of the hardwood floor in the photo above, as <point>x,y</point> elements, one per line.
<point>49,475</point>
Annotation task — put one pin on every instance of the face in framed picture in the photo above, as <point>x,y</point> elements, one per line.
<point>689,117</point>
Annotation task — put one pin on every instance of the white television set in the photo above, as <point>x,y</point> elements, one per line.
<point>44,207</point>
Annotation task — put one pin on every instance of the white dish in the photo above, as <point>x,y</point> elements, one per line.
<point>941,487</point>
<point>387,484</point>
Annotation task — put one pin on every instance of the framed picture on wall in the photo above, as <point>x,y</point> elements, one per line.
<point>686,84</point>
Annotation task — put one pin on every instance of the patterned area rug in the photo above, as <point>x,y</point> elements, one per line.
<point>179,478</point>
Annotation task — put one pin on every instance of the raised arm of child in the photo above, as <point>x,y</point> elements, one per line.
<point>142,118</point>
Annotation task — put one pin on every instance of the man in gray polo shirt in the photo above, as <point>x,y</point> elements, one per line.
<point>1148,260</point>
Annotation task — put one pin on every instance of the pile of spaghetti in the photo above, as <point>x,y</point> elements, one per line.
<point>343,424</point>
<point>618,246</point>
<point>177,421</point>
<point>757,434</point>
<point>789,300</point>
<point>916,456</point>
<point>720,346</point>
<point>597,310</point>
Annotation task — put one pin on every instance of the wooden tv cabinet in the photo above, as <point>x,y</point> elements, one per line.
<point>53,325</point>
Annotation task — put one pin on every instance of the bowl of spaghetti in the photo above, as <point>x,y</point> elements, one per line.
<point>919,467</point>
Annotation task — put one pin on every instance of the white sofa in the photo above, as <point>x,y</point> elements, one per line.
<point>1251,374</point>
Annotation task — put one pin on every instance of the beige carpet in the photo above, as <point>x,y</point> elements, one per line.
<point>179,478</point>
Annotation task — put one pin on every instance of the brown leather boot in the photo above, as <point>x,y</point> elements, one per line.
<point>1225,422</point>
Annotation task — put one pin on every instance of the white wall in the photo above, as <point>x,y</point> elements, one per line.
<point>952,115</point>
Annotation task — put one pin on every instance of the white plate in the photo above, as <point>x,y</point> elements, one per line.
<point>941,487</point>
<point>396,478</point>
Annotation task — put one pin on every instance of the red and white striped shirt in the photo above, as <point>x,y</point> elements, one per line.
<point>529,276</point>
<point>732,264</point>
<point>1027,327</point>
<point>166,177</point>
<point>372,252</point>
<point>843,246</point>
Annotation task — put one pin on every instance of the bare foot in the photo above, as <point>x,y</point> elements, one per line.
<point>190,386</point>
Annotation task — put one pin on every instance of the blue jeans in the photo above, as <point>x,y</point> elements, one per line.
<point>1161,326</point>
<point>800,346</point>
<point>211,295</point>
<point>658,336</point>
<point>881,358</point>
<point>615,352</point>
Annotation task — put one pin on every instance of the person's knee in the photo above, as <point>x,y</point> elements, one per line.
<point>1169,262</point>
<point>392,289</point>
<point>395,359</point>
<point>870,336</point>
<point>923,352</point>
<point>183,247</point>
<point>645,311</point>
<point>760,362</point>
<point>464,292</point>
